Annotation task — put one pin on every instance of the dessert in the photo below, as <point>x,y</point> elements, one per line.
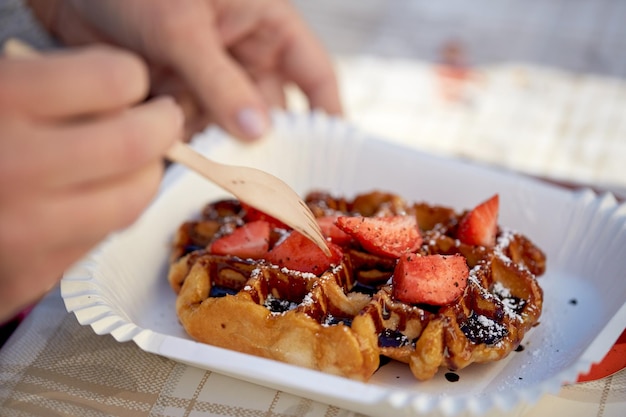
<point>413,282</point>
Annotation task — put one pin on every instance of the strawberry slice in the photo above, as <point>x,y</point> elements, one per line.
<point>431,279</point>
<point>331,231</point>
<point>480,225</point>
<point>248,241</point>
<point>390,236</point>
<point>298,253</point>
<point>252,214</point>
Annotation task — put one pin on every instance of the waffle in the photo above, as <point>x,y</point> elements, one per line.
<point>344,319</point>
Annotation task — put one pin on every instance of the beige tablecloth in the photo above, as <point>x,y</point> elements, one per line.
<point>53,366</point>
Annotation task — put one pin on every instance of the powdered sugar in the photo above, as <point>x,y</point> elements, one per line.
<point>504,241</point>
<point>481,329</point>
<point>511,305</point>
<point>306,275</point>
<point>278,306</point>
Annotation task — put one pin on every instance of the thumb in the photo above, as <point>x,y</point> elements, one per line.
<point>182,35</point>
<point>230,96</point>
<point>222,86</point>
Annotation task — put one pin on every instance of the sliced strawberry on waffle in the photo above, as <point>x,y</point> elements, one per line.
<point>480,225</point>
<point>331,231</point>
<point>252,214</point>
<point>390,236</point>
<point>298,253</point>
<point>431,279</point>
<point>248,241</point>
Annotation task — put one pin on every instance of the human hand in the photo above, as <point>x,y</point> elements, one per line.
<point>79,158</point>
<point>225,61</point>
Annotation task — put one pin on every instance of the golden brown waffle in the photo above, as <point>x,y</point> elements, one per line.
<point>345,319</point>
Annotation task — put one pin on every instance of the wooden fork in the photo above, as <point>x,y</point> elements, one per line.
<point>257,188</point>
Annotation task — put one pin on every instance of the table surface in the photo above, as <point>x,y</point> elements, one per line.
<point>536,86</point>
<point>532,86</point>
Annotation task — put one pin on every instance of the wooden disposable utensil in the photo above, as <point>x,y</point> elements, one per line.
<point>257,188</point>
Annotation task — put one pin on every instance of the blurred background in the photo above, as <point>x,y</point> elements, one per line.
<point>537,86</point>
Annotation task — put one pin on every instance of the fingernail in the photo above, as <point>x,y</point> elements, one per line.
<point>252,123</point>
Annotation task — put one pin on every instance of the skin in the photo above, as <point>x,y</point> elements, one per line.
<point>225,61</point>
<point>73,128</point>
<point>75,160</point>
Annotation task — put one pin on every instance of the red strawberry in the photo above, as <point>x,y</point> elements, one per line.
<point>390,236</point>
<point>299,253</point>
<point>252,214</point>
<point>480,225</point>
<point>248,241</point>
<point>331,231</point>
<point>430,279</point>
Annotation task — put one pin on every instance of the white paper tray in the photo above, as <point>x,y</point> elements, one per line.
<point>121,288</point>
